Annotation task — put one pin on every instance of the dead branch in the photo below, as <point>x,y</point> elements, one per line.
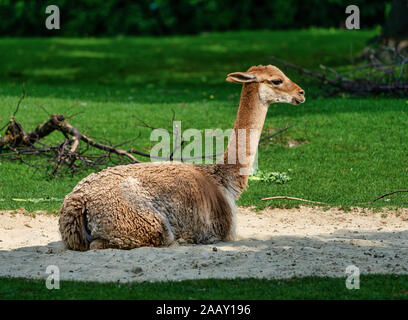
<point>20,143</point>
<point>16,136</point>
<point>387,194</point>
<point>311,201</point>
<point>280,131</point>
<point>18,103</point>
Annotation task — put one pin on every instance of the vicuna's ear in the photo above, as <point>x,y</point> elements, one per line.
<point>241,77</point>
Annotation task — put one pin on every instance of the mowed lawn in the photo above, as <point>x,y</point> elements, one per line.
<point>348,150</point>
<point>371,287</point>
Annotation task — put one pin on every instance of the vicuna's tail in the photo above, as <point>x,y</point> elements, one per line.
<point>73,223</point>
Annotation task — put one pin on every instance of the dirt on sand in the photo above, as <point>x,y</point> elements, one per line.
<point>274,243</point>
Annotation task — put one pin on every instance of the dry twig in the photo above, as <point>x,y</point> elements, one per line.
<point>291,198</point>
<point>387,194</point>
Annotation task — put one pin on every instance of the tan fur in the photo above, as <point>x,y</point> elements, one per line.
<point>154,204</point>
<point>256,96</point>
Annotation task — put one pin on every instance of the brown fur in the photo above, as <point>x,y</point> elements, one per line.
<point>122,205</point>
<point>154,204</point>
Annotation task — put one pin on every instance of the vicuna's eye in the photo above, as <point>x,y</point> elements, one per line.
<point>277,82</point>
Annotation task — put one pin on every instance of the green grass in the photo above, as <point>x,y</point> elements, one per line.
<point>371,287</point>
<point>170,61</point>
<point>352,149</point>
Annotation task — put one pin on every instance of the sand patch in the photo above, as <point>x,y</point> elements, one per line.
<point>277,243</point>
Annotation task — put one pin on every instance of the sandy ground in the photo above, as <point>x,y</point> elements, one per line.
<point>272,244</point>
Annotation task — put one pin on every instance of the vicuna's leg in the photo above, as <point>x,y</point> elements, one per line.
<point>98,244</point>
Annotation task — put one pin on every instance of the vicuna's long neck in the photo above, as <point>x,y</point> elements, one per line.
<point>243,143</point>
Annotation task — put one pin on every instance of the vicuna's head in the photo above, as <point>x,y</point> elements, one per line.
<point>273,84</point>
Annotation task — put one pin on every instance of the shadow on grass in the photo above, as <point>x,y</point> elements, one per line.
<point>168,61</point>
